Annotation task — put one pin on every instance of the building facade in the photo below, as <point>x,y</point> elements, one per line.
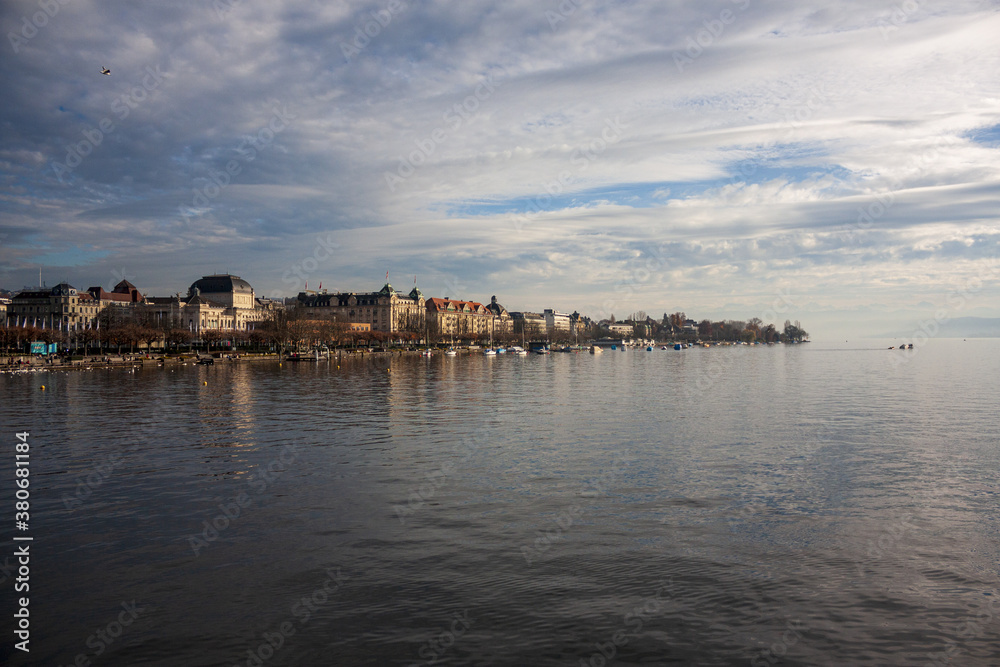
<point>65,307</point>
<point>556,322</point>
<point>220,301</point>
<point>461,319</point>
<point>528,324</point>
<point>387,310</point>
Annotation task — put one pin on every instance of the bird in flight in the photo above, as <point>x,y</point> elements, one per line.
<point>105,70</point>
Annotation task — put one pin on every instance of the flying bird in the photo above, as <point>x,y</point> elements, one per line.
<point>105,70</point>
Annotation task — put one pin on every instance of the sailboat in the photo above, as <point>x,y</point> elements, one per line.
<point>426,352</point>
<point>491,351</point>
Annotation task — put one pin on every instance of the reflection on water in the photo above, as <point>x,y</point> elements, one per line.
<point>777,505</point>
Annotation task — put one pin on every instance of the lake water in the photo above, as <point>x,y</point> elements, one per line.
<point>792,505</point>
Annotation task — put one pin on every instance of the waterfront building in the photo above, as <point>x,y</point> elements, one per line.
<point>529,325</point>
<point>219,301</point>
<point>57,307</point>
<point>621,328</point>
<point>386,310</point>
<point>502,324</point>
<point>461,319</point>
<point>556,322</point>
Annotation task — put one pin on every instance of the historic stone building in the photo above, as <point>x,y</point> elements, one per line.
<point>220,301</point>
<point>502,322</point>
<point>461,319</point>
<point>528,324</point>
<point>387,310</point>
<point>65,307</point>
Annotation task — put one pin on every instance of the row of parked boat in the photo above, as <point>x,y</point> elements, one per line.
<point>323,352</point>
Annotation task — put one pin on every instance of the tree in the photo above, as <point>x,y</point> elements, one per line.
<point>794,332</point>
<point>210,336</point>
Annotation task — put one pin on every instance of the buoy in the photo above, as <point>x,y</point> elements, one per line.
<point>43,387</point>
<point>205,383</point>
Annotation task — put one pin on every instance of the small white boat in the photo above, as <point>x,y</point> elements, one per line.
<point>425,353</point>
<point>450,352</point>
<point>596,349</point>
<point>490,352</point>
<point>518,350</point>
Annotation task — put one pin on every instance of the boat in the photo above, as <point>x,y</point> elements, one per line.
<point>450,352</point>
<point>678,346</point>
<point>490,352</point>
<point>206,361</point>
<point>596,349</point>
<point>425,352</point>
<point>649,348</point>
<point>518,350</point>
<point>321,353</point>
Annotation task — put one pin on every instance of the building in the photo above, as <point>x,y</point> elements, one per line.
<point>461,319</point>
<point>502,323</point>
<point>220,301</point>
<point>622,329</point>
<point>528,324</point>
<point>556,322</point>
<point>386,310</point>
<point>124,294</point>
<point>58,307</point>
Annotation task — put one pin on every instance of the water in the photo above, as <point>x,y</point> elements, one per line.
<point>811,504</point>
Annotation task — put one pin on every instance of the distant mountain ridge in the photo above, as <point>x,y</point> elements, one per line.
<point>959,327</point>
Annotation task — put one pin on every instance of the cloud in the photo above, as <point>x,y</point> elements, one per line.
<point>751,140</point>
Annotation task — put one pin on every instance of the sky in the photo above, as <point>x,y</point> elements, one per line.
<point>833,163</point>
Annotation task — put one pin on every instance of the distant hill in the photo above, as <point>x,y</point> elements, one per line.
<point>960,327</point>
